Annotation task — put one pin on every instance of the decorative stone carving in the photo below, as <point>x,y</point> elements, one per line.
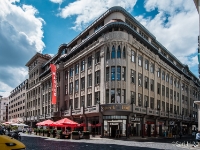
<point>82,93</point>
<point>71,79</point>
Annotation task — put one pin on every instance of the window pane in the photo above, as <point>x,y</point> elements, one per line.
<point>118,73</point>
<point>113,52</point>
<point>112,73</point>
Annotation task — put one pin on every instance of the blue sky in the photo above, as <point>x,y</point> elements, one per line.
<point>30,26</point>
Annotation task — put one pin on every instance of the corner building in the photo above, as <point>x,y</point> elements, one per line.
<point>116,73</point>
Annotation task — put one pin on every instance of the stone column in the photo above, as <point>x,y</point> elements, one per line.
<point>143,126</point>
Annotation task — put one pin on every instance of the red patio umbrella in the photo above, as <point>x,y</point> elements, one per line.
<point>45,123</point>
<point>98,125</point>
<point>91,125</point>
<point>65,122</point>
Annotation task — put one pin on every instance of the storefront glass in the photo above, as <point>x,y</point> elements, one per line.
<point>114,125</point>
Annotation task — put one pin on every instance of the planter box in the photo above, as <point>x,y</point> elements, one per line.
<point>86,136</point>
<point>75,137</point>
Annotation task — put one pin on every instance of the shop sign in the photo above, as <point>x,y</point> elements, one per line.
<point>116,107</point>
<point>135,119</point>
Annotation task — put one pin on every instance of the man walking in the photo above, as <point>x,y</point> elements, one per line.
<point>197,138</point>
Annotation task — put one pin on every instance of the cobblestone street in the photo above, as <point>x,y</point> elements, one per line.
<point>34,142</point>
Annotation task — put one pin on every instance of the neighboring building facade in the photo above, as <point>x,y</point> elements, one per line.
<point>3,108</point>
<point>34,103</point>
<point>17,102</point>
<point>115,73</point>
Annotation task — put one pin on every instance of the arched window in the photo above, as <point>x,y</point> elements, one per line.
<point>119,52</point>
<point>113,52</point>
<point>124,53</point>
<point>108,54</point>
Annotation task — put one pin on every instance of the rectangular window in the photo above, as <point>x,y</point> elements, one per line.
<point>112,73</point>
<point>66,76</point>
<point>171,93</point>
<point>82,83</point>
<point>146,82</point>
<point>89,100</point>
<point>139,79</point>
<point>146,101</point>
<point>167,77</point>
<point>132,97</point>
<point>71,72</point>
<point>163,90</point>
<point>146,64</point>
<point>132,76</point>
<point>82,102</point>
<point>158,88</point>
<point>152,68</point>
<point>118,73</point>
<point>123,74</point>
<point>132,56</point>
<point>71,88</point>
<point>76,69</point>
<point>158,73</point>
<point>107,97</point>
<point>123,96</point>
<point>97,77</point>
<point>89,61</point>
<point>174,95</point>
<point>118,96</point>
<point>97,57</point>
<point>112,93</point>
<point>152,85</point>
<point>163,75</point>
<point>76,86</point>
<point>158,104</point>
<point>163,106</point>
<point>177,96</point>
<point>97,98</point>
<point>140,60</point>
<point>66,90</point>
<point>107,73</point>
<point>152,103</point>
<point>140,99</point>
<point>89,80</point>
<point>76,103</point>
<point>71,103</point>
<point>167,92</point>
<point>83,65</point>
<point>171,80</point>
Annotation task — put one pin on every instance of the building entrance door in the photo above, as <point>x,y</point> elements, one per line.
<point>113,129</point>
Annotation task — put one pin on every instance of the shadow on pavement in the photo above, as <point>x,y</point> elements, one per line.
<point>41,143</point>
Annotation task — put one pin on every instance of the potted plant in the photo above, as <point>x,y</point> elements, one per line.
<point>75,135</point>
<point>45,132</point>
<point>40,132</point>
<point>86,135</point>
<point>53,133</point>
<point>59,134</point>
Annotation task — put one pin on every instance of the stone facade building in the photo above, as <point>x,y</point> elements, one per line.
<point>112,74</point>
<point>17,102</point>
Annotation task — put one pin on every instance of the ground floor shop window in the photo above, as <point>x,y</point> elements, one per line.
<point>114,126</point>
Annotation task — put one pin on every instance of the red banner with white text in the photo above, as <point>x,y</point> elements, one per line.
<point>53,95</point>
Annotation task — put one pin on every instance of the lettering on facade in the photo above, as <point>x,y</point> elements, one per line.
<point>116,107</point>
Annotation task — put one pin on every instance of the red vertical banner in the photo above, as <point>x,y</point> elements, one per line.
<point>54,89</point>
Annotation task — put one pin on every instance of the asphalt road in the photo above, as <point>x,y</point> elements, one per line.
<point>34,142</point>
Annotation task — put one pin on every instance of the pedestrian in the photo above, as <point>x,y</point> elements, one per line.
<point>128,131</point>
<point>180,134</point>
<point>197,138</point>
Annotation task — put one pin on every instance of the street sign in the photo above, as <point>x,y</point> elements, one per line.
<point>171,123</point>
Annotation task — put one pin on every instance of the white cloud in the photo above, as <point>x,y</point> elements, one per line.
<point>88,10</point>
<point>175,26</point>
<point>57,1</point>
<point>21,37</point>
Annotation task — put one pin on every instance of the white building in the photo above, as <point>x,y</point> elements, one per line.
<point>3,105</point>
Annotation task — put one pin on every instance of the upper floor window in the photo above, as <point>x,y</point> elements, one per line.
<point>97,77</point>
<point>89,61</point>
<point>152,68</point>
<point>167,77</point>
<point>71,87</point>
<point>158,73</point>
<point>97,57</point>
<point>76,69</point>
<point>146,64</point>
<point>76,85</point>
<point>83,65</point>
<point>107,73</point>
<point>89,80</point>
<point>140,60</point>
<point>123,73</point>
<point>119,52</point>
<point>112,73</point>
<point>152,85</point>
<point>132,76</point>
<point>71,72</point>
<point>118,73</point>
<point>139,79</point>
<point>146,82</point>
<point>83,83</point>
<point>171,80</point>
<point>132,56</point>
<point>163,75</point>
<point>107,54</point>
<point>113,52</point>
<point>124,53</point>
